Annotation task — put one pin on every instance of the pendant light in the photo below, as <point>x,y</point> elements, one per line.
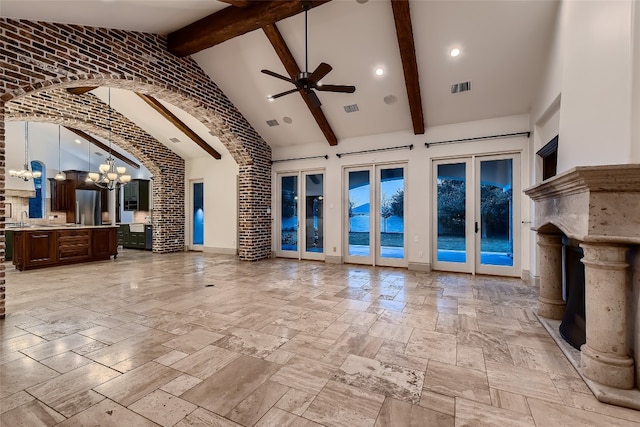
<point>25,173</point>
<point>110,176</point>
<point>60,176</point>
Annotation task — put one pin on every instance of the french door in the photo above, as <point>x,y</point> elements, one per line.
<point>477,215</point>
<point>374,215</point>
<point>300,215</point>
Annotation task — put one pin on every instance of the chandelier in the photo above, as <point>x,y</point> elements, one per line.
<point>110,176</point>
<point>26,173</point>
<point>60,176</point>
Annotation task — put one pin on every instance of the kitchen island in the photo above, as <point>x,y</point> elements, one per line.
<point>39,246</point>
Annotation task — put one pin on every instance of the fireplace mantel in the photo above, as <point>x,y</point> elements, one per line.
<point>599,206</point>
<point>602,202</point>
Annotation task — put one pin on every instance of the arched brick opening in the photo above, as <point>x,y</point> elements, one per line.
<point>40,56</point>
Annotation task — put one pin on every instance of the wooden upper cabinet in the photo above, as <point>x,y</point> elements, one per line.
<point>62,195</point>
<point>136,195</point>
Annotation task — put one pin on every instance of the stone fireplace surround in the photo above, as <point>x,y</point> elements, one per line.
<point>600,207</point>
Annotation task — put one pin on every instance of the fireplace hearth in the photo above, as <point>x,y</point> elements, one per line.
<point>596,209</point>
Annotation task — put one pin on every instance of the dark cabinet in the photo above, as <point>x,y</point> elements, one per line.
<point>134,239</point>
<point>104,242</point>
<point>136,195</point>
<point>38,248</point>
<point>44,248</point>
<point>73,245</point>
<point>61,195</point>
<point>8,245</point>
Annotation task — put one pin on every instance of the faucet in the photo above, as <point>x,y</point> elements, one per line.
<point>22,216</point>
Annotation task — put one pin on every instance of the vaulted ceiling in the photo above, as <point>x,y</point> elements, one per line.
<point>503,48</point>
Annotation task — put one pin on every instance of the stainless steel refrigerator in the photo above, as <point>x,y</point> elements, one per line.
<point>88,207</point>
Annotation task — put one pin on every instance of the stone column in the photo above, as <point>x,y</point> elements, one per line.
<point>605,355</point>
<point>550,302</point>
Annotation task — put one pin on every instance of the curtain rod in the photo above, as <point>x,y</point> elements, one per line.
<point>326,156</point>
<point>477,138</point>
<point>410,147</point>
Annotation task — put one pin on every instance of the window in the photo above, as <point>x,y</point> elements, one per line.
<point>37,206</point>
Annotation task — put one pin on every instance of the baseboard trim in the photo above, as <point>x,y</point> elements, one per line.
<point>420,266</point>
<point>534,280</point>
<point>220,251</point>
<point>333,259</point>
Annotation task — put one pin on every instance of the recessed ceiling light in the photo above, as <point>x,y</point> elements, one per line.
<point>78,141</point>
<point>379,71</point>
<point>288,120</point>
<point>455,52</point>
<point>390,99</point>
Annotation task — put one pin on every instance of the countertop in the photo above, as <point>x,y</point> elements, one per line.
<point>37,227</point>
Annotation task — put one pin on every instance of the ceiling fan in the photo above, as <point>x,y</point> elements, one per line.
<point>308,81</point>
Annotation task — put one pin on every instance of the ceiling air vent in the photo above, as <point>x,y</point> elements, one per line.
<point>461,87</point>
<point>351,108</point>
<point>273,123</point>
<point>174,140</point>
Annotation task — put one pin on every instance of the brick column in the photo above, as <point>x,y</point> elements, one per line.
<point>605,355</point>
<point>2,205</point>
<point>550,302</point>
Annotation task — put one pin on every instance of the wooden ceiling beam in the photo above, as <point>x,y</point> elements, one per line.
<point>404,31</point>
<point>174,120</point>
<point>103,146</point>
<point>293,70</point>
<point>238,3</point>
<point>80,90</point>
<point>231,22</point>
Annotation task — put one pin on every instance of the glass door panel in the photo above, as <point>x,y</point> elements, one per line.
<point>451,225</point>
<point>375,228</point>
<point>359,212</point>
<point>296,239</point>
<point>197,237</point>
<point>498,213</point>
<point>496,206</point>
<point>477,204</point>
<point>314,215</point>
<point>288,215</point>
<point>391,241</point>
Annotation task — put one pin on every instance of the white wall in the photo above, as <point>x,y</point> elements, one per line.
<point>418,212</point>
<point>635,108</point>
<point>220,201</point>
<point>591,88</point>
<point>595,118</point>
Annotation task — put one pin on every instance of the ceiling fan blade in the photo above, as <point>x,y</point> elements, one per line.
<point>313,98</point>
<point>276,75</point>
<point>283,93</point>
<point>336,88</point>
<point>322,70</point>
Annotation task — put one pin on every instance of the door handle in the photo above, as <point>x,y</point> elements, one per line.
<point>477,226</point>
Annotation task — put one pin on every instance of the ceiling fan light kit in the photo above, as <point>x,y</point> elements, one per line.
<point>306,81</point>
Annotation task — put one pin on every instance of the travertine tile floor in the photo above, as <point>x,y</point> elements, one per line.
<point>146,340</point>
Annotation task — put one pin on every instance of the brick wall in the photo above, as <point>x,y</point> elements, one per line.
<point>38,58</point>
<point>2,212</point>
<point>88,113</point>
